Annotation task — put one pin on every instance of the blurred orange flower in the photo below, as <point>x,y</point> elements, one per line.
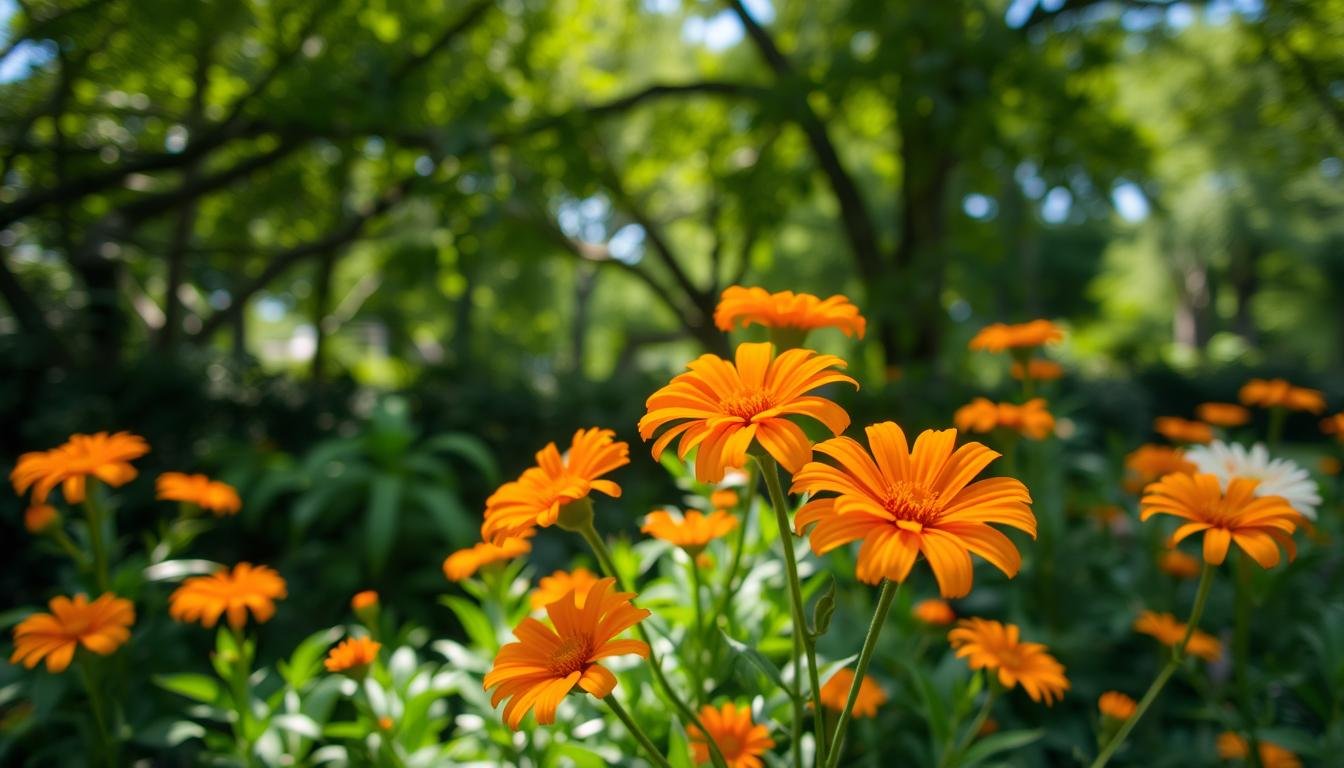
<point>1001,336</point>
<point>234,592</point>
<point>464,563</point>
<point>1031,419</point>
<point>902,502</point>
<point>1278,393</point>
<point>211,495</point>
<point>1169,630</point>
<point>1223,414</point>
<point>741,741</point>
<point>995,646</point>
<point>1176,563</point>
<point>835,693</point>
<point>725,407</point>
<point>40,517</point>
<point>105,457</point>
<point>691,531</point>
<point>1329,465</point>
<point>1116,705</point>
<point>1149,462</point>
<point>1334,425</point>
<point>1259,525</point>
<point>101,626</point>
<point>539,670</point>
<point>551,588</point>
<point>362,600</point>
<point>723,498</point>
<point>786,309</point>
<point>353,654</point>
<point>1038,369</point>
<point>1180,430</point>
<point>933,611</point>
<point>1232,746</point>
<point>535,498</point>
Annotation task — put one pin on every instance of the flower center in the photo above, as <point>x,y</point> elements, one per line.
<point>729,745</point>
<point>913,504</point>
<point>571,656</point>
<point>745,404</point>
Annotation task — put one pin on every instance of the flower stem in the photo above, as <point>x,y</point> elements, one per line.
<point>637,732</point>
<point>599,547</point>
<point>801,631</point>
<point>952,755</point>
<point>106,746</point>
<point>93,510</point>
<point>1177,654</point>
<point>242,696</point>
<point>697,668</point>
<point>1241,654</point>
<point>884,600</point>
<point>726,591</point>
<point>1277,416</point>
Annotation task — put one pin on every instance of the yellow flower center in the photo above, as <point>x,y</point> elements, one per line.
<point>572,656</point>
<point>745,404</point>
<point>913,506</point>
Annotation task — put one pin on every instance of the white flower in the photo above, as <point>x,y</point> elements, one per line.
<point>1278,477</point>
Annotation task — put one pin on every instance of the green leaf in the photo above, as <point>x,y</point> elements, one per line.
<point>678,746</point>
<point>302,725</point>
<point>824,609</point>
<point>760,662</point>
<point>474,621</point>
<point>304,662</point>
<point>457,525</point>
<point>168,733</point>
<point>381,518</point>
<point>998,742</point>
<point>202,688</point>
<point>466,447</point>
<point>176,570</point>
<point>345,730</point>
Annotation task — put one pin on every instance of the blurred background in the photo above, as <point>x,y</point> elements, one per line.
<point>362,259</point>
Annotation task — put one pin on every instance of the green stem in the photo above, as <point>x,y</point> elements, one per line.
<point>93,511</point>
<point>63,541</point>
<point>698,648</point>
<point>242,696</point>
<point>1240,654</point>
<point>1277,416</point>
<point>639,734</point>
<point>106,746</point>
<point>802,632</point>
<point>884,600</point>
<point>726,591</point>
<point>1177,653</point>
<point>959,748</point>
<point>599,547</point>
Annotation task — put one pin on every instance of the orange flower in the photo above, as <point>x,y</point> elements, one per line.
<point>786,309</point>
<point>1259,525</point>
<point>1232,746</point>
<point>101,626</point>
<point>835,693</point>
<point>1031,419</point>
<point>1038,370</point>
<point>1149,462</point>
<point>1223,414</point>
<point>40,517</point>
<point>362,600</point>
<point>992,645</point>
<point>741,741</point>
<point>247,587</point>
<point>212,495</point>
<point>723,498</point>
<point>1334,425</point>
<point>1000,336</point>
<point>1116,705</point>
<point>1278,393</point>
<point>535,498</point>
<point>902,502</point>
<point>464,563</point>
<point>1168,630</point>
<point>545,665</point>
<point>105,457</point>
<point>1180,430</point>
<point>724,407</point>
<point>353,654</point>
<point>935,612</point>
<point>1329,465</point>
<point>691,531</point>
<point>551,588</point>
<point>1176,563</point>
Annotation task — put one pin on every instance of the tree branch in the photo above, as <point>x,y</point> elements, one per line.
<point>469,19</point>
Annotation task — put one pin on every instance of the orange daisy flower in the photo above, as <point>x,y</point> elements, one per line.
<point>741,741</point>
<point>40,517</point>
<point>1278,393</point>
<point>544,666</point>
<point>1116,705</point>
<point>724,498</point>
<point>1176,563</point>
<point>935,612</point>
<point>1149,462</point>
<point>353,654</point>
<point>724,407</point>
<point>464,563</point>
<point>1180,430</point>
<point>1223,414</point>
<point>211,495</point>
<point>786,309</point>
<point>362,600</point>
<point>551,588</point>
<point>1334,425</point>
<point>902,502</point>
<point>535,498</point>
<point>105,457</point>
<point>835,693</point>
<point>246,587</point>
<point>1031,419</point>
<point>1169,630</point>
<point>1001,336</point>
<point>101,626</point>
<point>1231,746</point>
<point>1259,525</point>
<point>691,531</point>
<point>992,645</point>
<point>1038,369</point>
